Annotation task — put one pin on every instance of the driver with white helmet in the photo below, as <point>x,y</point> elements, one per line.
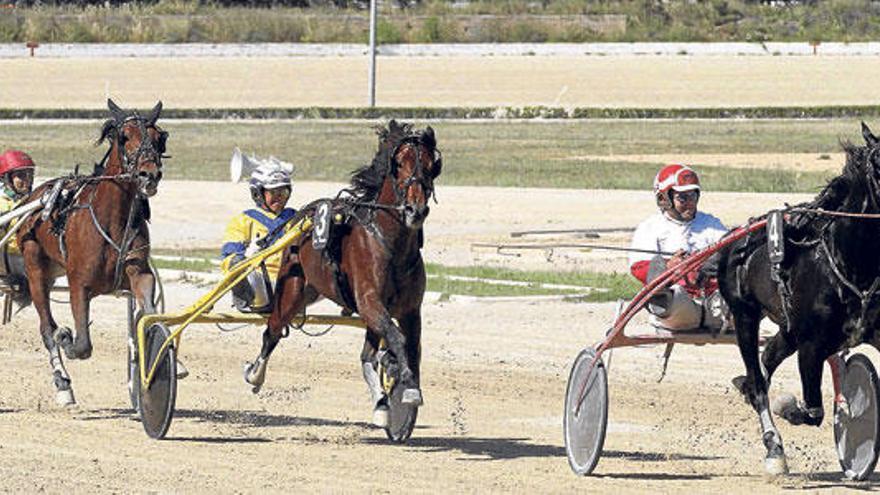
<point>680,229</point>
<point>270,187</point>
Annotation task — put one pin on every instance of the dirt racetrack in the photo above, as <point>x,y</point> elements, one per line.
<point>557,81</point>
<point>493,377</point>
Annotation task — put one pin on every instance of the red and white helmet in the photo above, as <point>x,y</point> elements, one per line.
<point>676,177</point>
<point>14,160</point>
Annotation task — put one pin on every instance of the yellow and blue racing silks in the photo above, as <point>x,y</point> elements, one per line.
<point>246,228</point>
<point>6,205</point>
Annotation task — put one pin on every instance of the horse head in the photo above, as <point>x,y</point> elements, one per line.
<point>137,146</point>
<point>863,167</point>
<point>415,163</point>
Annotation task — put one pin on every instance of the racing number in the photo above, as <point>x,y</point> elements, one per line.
<point>322,226</point>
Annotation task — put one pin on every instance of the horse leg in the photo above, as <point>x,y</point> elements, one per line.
<point>143,286</point>
<point>810,411</point>
<point>374,382</point>
<point>291,297</point>
<point>81,347</point>
<point>40,284</point>
<point>379,321</point>
<point>777,350</point>
<point>411,325</point>
<point>755,389</point>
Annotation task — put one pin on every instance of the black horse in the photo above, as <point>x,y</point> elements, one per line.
<point>822,294</point>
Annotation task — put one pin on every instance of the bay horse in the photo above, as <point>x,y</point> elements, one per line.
<point>372,265</point>
<point>96,233</point>
<point>823,294</point>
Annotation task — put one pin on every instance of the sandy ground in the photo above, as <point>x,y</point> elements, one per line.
<point>813,162</point>
<point>494,376</point>
<point>563,81</point>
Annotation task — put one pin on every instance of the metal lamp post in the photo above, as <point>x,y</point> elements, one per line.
<point>372,82</point>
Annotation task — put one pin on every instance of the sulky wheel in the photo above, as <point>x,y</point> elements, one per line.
<point>857,425</point>
<point>157,399</point>
<point>584,424</point>
<point>401,417</point>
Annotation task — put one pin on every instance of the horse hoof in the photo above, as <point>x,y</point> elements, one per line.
<point>63,336</point>
<point>380,416</point>
<point>412,397</point>
<point>255,374</point>
<point>783,405</point>
<point>776,466</point>
<point>64,398</point>
<point>182,372</point>
<point>739,383</point>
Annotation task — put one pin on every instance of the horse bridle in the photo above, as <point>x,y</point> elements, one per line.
<point>417,177</point>
<point>146,150</point>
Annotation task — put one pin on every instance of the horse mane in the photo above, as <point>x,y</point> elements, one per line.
<point>838,189</point>
<point>835,195</point>
<point>108,131</point>
<point>367,181</point>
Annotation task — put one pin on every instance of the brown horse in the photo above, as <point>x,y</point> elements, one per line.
<point>372,263</point>
<point>96,232</point>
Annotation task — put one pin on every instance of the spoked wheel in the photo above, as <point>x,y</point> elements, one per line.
<point>401,417</point>
<point>157,400</point>
<point>585,421</point>
<point>857,426</point>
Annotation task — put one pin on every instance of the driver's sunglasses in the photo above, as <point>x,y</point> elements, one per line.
<point>22,174</point>
<point>279,192</point>
<point>684,197</point>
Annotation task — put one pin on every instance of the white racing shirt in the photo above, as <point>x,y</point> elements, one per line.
<point>661,233</point>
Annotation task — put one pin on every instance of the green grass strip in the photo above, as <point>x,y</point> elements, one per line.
<point>617,285</point>
<point>504,154</point>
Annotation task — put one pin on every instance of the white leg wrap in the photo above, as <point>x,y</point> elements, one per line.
<point>255,373</point>
<point>56,363</point>
<point>374,385</point>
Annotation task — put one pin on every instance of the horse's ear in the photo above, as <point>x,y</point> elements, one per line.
<point>870,138</point>
<point>437,168</point>
<point>428,137</point>
<point>117,113</point>
<point>154,114</point>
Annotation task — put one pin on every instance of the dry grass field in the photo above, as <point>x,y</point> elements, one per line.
<point>587,81</point>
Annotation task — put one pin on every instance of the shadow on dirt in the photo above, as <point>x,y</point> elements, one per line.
<point>656,456</point>
<point>654,476</point>
<point>831,479</point>
<point>257,419</point>
<point>219,440</point>
<point>486,449</point>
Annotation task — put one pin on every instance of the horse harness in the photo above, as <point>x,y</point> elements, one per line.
<point>776,252</point>
<point>347,207</point>
<point>138,210</point>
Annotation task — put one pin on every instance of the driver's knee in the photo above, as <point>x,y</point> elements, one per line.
<point>677,311</point>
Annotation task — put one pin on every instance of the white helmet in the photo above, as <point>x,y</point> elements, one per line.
<point>270,174</point>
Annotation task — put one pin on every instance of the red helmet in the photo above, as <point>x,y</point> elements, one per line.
<point>679,178</point>
<point>14,160</point>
